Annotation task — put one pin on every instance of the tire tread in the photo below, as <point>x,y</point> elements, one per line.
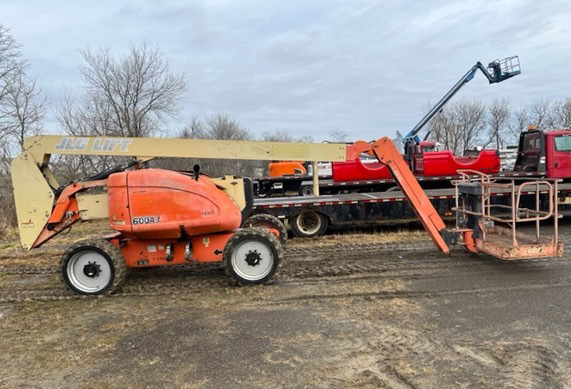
<point>237,238</point>
<point>106,247</point>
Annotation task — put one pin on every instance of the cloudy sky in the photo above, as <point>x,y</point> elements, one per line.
<point>367,68</point>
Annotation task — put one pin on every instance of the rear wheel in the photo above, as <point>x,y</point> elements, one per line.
<point>252,256</point>
<point>93,267</point>
<point>267,221</point>
<point>306,190</point>
<point>309,224</point>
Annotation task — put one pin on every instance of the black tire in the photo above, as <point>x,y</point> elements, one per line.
<point>393,189</point>
<point>264,220</point>
<point>306,190</point>
<point>271,257</point>
<point>112,261</point>
<point>309,224</point>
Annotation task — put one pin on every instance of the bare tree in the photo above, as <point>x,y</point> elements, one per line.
<point>339,136</point>
<point>498,120</point>
<point>541,114</point>
<point>21,113</point>
<point>221,126</point>
<point>519,122</point>
<point>216,127</point>
<point>471,119</point>
<point>306,139</point>
<point>10,59</point>
<point>285,136</point>
<point>444,131</point>
<point>193,130</point>
<point>277,136</point>
<point>563,113</point>
<point>21,110</point>
<point>128,96</point>
<point>26,108</point>
<point>460,126</point>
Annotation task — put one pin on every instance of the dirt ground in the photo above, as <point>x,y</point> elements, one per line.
<point>356,310</point>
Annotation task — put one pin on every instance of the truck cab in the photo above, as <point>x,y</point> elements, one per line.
<point>558,147</point>
<point>547,152</point>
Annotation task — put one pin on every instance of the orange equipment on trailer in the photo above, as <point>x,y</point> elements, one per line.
<point>286,168</point>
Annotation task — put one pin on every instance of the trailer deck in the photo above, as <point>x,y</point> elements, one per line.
<point>303,184</point>
<point>378,207</point>
<point>356,198</point>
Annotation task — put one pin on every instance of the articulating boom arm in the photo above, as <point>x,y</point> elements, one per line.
<point>387,153</point>
<point>41,215</point>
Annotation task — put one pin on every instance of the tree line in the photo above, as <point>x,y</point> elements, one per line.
<point>466,124</point>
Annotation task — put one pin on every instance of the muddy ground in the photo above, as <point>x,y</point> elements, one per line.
<point>346,311</point>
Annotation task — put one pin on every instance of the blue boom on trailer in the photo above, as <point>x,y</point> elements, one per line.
<point>497,71</point>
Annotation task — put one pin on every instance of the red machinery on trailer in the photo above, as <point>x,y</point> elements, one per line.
<point>417,152</point>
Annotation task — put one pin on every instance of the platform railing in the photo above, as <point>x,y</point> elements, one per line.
<point>511,214</point>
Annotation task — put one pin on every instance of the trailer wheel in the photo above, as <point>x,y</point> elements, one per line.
<point>309,224</point>
<point>306,190</point>
<point>252,256</point>
<point>263,220</point>
<point>93,267</point>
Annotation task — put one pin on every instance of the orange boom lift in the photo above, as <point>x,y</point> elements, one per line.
<point>163,217</point>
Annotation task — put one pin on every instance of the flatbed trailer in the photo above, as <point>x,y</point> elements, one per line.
<point>302,185</point>
<point>311,216</point>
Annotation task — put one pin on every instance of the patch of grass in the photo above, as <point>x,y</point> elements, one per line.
<point>11,245</point>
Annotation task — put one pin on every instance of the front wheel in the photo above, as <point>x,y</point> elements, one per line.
<point>93,267</point>
<point>309,224</point>
<point>252,256</point>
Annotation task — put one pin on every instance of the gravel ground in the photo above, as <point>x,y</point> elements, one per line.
<point>349,311</point>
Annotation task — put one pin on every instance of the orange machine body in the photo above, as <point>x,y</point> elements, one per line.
<point>164,204</point>
<point>286,168</point>
<point>160,217</point>
<point>164,252</point>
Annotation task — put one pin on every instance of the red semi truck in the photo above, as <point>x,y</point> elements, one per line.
<point>547,153</point>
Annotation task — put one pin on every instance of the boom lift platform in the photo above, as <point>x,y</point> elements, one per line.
<point>492,228</point>
<point>163,217</point>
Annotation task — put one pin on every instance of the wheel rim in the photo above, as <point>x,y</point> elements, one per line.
<point>307,191</point>
<point>308,222</point>
<point>252,260</point>
<point>89,271</point>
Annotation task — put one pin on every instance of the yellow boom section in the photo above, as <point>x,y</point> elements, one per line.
<point>39,146</point>
<point>34,182</point>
